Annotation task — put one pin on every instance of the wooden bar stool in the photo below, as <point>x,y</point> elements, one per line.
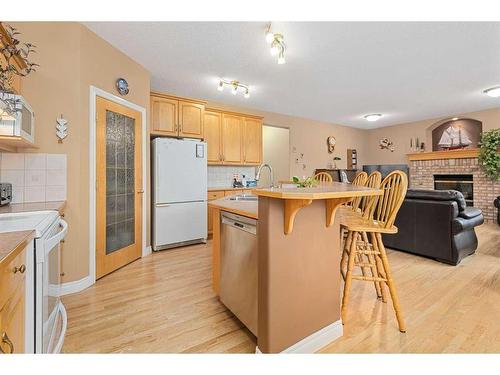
<point>323,177</point>
<point>365,209</point>
<point>368,252</point>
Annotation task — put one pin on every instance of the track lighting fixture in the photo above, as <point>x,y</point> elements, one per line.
<point>235,87</point>
<point>277,43</point>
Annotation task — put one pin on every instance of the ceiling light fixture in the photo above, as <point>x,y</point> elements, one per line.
<point>494,92</point>
<point>372,117</point>
<point>454,119</point>
<point>277,43</point>
<point>235,87</point>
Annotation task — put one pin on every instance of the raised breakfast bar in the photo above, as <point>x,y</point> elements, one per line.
<point>298,263</point>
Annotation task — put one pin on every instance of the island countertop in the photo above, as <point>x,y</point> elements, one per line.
<point>328,190</point>
<point>244,208</point>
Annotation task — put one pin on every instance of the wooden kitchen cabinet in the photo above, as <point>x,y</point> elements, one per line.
<point>232,132</point>
<point>176,117</point>
<point>213,136</point>
<point>212,195</point>
<point>252,141</point>
<point>164,114</point>
<point>12,303</point>
<point>191,119</point>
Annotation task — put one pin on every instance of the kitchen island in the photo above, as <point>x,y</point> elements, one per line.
<point>298,263</point>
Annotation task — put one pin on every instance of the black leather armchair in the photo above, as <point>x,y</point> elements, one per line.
<point>436,224</point>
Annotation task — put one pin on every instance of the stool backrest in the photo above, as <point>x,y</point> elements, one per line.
<point>394,186</point>
<point>368,204</point>
<point>359,180</point>
<point>323,177</point>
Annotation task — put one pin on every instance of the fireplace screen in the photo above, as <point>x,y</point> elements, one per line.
<point>460,182</point>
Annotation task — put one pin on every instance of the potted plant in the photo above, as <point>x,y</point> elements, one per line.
<point>489,155</point>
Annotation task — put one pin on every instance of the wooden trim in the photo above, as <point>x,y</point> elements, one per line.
<point>174,97</point>
<point>239,114</point>
<point>450,154</point>
<point>331,206</point>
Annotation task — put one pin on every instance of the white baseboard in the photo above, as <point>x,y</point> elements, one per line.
<point>75,286</point>
<point>316,341</point>
<point>146,251</point>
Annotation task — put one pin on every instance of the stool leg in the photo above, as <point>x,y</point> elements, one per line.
<point>348,279</point>
<point>343,261</point>
<point>371,260</point>
<point>390,284</point>
<point>379,268</point>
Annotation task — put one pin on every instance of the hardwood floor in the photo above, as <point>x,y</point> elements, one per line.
<point>164,304</point>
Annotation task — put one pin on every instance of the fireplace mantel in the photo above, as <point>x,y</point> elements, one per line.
<point>450,154</point>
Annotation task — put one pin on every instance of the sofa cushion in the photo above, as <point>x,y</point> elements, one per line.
<point>470,212</point>
<point>438,195</point>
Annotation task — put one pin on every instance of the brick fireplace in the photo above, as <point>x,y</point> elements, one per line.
<point>424,166</point>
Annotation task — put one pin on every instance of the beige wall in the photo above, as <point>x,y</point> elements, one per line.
<point>72,58</point>
<point>276,151</point>
<point>309,138</point>
<point>401,134</point>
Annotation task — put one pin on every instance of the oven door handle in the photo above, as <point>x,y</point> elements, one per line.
<point>64,316</point>
<point>51,242</point>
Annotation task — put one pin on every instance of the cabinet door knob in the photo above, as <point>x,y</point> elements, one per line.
<point>20,269</point>
<point>6,340</point>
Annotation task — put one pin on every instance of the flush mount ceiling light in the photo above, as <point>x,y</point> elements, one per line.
<point>372,117</point>
<point>494,92</point>
<point>235,87</point>
<point>277,43</point>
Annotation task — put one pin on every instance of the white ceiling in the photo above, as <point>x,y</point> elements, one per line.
<point>335,71</point>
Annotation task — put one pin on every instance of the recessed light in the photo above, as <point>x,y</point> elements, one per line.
<point>494,92</point>
<point>372,117</point>
<point>455,118</point>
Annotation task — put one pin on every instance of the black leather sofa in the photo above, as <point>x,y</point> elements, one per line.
<point>385,169</point>
<point>436,224</point>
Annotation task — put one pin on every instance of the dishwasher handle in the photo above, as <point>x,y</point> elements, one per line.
<point>241,225</point>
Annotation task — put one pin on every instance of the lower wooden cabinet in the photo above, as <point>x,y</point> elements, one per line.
<point>12,305</point>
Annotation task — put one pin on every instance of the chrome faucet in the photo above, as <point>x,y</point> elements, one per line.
<point>257,177</point>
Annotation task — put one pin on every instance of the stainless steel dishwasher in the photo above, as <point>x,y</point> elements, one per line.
<point>238,267</point>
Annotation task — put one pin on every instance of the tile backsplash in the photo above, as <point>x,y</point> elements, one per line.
<point>222,176</point>
<point>34,177</point>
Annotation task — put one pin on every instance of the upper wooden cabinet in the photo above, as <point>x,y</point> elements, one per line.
<point>164,114</point>
<point>213,136</point>
<point>176,117</point>
<point>17,61</point>
<point>252,141</point>
<point>191,119</point>
<point>232,132</point>
<point>233,138</point>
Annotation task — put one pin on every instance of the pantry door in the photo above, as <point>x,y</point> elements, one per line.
<point>118,186</point>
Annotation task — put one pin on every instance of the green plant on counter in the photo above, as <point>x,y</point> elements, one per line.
<point>308,182</point>
<point>489,156</point>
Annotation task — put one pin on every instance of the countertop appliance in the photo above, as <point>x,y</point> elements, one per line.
<point>179,192</point>
<point>238,268</point>
<point>46,318</point>
<point>22,124</point>
<point>5,193</point>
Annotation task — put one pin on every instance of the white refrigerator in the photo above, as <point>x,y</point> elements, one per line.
<point>179,192</point>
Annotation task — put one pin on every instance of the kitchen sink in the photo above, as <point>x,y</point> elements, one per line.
<point>244,197</point>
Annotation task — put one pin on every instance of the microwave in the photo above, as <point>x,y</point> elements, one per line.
<point>21,124</point>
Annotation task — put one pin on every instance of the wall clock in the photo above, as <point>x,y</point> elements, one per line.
<point>331,141</point>
<point>122,86</point>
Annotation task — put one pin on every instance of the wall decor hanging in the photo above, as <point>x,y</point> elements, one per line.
<point>61,129</point>
<point>386,144</point>
<point>331,142</point>
<point>16,63</point>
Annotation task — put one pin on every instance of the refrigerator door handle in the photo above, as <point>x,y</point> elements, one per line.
<point>162,205</point>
